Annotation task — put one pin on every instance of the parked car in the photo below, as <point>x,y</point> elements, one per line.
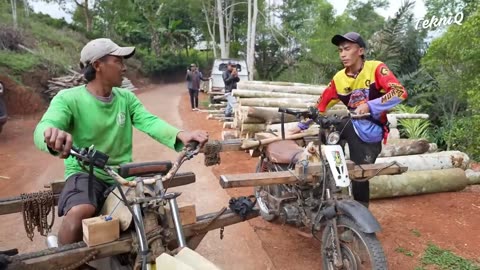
<point>3,107</point>
<point>219,66</point>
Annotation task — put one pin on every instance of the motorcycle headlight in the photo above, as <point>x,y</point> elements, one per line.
<point>1,88</point>
<point>333,138</point>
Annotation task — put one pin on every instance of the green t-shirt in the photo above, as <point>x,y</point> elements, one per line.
<point>106,125</point>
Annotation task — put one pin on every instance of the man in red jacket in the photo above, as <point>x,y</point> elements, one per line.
<point>364,87</point>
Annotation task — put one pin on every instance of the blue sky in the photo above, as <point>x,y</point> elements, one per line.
<point>55,11</point>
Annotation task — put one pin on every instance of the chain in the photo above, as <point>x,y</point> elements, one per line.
<point>212,153</point>
<point>90,256</point>
<point>35,208</point>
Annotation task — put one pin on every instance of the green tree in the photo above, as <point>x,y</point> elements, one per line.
<point>454,62</point>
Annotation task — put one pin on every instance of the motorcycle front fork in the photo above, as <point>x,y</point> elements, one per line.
<point>337,254</point>
<point>140,229</point>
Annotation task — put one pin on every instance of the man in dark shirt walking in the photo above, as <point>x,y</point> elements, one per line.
<point>193,78</point>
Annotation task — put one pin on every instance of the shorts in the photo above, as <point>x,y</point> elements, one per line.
<point>75,192</point>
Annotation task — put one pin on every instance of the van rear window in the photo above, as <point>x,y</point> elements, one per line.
<point>224,66</point>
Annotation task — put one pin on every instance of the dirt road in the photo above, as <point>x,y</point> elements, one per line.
<point>449,220</point>
<point>25,169</point>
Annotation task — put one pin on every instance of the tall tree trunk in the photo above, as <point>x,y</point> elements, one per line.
<point>221,28</point>
<point>88,18</point>
<point>14,13</point>
<point>212,33</point>
<point>155,41</point>
<point>249,31</point>
<point>229,22</point>
<point>251,66</point>
<point>26,8</point>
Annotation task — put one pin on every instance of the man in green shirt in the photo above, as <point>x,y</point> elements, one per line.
<point>100,114</point>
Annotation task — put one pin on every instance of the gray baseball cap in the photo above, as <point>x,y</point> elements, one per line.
<point>350,36</point>
<point>100,47</point>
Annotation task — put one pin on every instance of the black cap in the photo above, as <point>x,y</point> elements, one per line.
<point>350,36</point>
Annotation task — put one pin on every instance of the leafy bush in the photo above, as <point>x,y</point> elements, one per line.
<point>169,62</point>
<point>412,128</point>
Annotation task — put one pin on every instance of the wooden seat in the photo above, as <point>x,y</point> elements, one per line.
<point>283,152</point>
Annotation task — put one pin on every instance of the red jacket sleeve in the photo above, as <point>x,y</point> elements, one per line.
<point>328,99</point>
<point>395,93</point>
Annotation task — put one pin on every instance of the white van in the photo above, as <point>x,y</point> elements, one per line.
<point>219,66</point>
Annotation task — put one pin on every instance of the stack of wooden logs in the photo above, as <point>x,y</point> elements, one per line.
<point>74,79</point>
<point>257,104</point>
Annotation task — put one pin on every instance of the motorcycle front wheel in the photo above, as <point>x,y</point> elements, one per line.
<point>359,250</point>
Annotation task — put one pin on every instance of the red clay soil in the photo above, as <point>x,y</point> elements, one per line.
<point>21,100</point>
<point>449,220</point>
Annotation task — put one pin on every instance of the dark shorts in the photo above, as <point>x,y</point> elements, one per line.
<point>75,192</point>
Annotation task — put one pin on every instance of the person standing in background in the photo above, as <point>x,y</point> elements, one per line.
<point>230,78</point>
<point>193,78</point>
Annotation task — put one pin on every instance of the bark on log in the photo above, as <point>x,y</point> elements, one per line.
<point>473,177</point>
<point>276,102</point>
<point>252,128</point>
<point>267,94</point>
<point>431,161</point>
<point>410,115</point>
<point>432,147</point>
<point>218,105</point>
<point>215,115</point>
<point>269,116</point>
<point>284,87</point>
<point>228,125</point>
<point>403,147</point>
<point>417,182</point>
<point>247,144</point>
<point>229,134</point>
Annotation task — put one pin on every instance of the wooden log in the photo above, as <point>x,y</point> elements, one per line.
<point>403,147</point>
<point>473,177</point>
<point>432,147</point>
<point>224,119</point>
<point>219,117</point>
<point>417,182</point>
<point>218,105</point>
<point>288,126</point>
<point>410,115</point>
<point>284,87</point>
<point>228,125</point>
<point>287,177</point>
<point>430,161</point>
<point>277,102</point>
<point>252,127</point>
<point>267,94</point>
<point>251,120</point>
<point>269,116</point>
<point>229,134</point>
<point>227,145</point>
<point>247,144</point>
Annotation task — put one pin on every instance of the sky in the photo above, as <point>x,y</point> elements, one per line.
<point>419,10</point>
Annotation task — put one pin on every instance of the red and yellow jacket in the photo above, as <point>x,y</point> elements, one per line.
<point>375,85</point>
